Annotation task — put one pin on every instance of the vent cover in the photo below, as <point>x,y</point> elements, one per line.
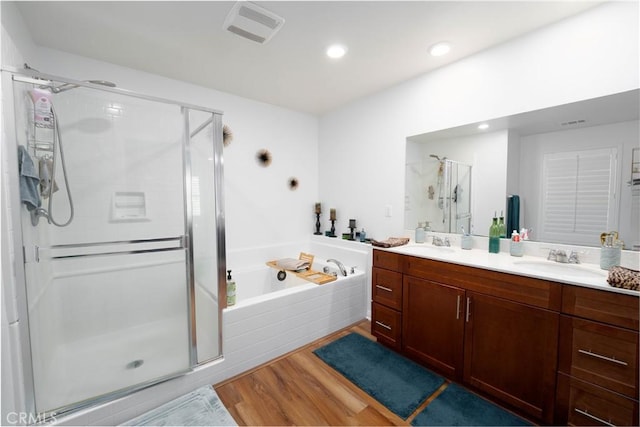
<point>252,22</point>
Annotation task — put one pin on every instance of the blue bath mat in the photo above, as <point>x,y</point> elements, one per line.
<point>201,407</point>
<point>455,406</point>
<point>398,383</point>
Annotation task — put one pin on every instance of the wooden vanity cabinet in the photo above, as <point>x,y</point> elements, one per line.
<point>386,295</point>
<point>561,354</point>
<point>510,352</point>
<point>433,326</point>
<point>598,358</point>
<point>492,331</point>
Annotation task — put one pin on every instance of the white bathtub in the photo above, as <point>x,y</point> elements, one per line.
<point>271,318</point>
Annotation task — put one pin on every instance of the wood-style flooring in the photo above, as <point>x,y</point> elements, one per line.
<point>300,389</point>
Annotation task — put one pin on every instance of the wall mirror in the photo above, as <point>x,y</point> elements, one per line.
<point>571,166</point>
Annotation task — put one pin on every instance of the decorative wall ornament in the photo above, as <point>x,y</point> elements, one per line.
<point>227,135</point>
<point>264,157</point>
<point>293,183</point>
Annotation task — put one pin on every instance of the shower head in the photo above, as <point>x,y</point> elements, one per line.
<point>68,86</point>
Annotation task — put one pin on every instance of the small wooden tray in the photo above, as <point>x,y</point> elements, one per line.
<point>317,277</point>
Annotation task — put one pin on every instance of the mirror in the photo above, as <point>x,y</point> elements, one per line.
<point>571,166</point>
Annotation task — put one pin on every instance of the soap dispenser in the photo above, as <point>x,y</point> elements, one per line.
<point>231,290</point>
<point>420,235</point>
<point>494,236</point>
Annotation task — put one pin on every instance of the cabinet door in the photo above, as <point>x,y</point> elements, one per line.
<point>433,325</point>
<point>510,352</point>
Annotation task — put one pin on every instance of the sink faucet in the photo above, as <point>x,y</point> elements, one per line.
<point>343,270</point>
<point>573,258</point>
<point>437,241</point>
<point>561,256</point>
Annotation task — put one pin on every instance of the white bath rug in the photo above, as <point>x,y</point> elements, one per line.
<point>201,407</point>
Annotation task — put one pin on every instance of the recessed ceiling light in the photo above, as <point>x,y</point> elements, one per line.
<point>336,51</point>
<point>483,126</point>
<point>440,49</point>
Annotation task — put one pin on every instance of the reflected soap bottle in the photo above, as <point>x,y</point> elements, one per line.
<point>420,234</point>
<point>494,236</point>
<point>502,226</point>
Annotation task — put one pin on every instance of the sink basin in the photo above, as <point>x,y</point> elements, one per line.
<point>429,249</point>
<point>568,270</point>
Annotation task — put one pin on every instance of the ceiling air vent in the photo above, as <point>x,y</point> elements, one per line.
<point>253,22</point>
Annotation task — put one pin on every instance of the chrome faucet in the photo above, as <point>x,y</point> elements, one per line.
<point>559,255</point>
<point>343,270</point>
<point>573,258</point>
<point>437,241</point>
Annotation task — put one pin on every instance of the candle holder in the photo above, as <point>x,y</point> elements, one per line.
<point>332,233</point>
<point>317,233</point>
<point>352,227</point>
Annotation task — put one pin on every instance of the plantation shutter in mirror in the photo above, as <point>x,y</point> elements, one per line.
<point>579,199</point>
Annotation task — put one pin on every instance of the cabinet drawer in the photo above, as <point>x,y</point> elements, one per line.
<point>387,260</point>
<point>387,288</point>
<point>600,354</point>
<point>386,325</point>
<point>603,306</point>
<point>583,404</point>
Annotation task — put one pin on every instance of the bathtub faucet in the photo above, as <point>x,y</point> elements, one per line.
<point>340,266</point>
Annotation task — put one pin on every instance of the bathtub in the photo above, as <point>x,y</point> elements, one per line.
<point>272,317</point>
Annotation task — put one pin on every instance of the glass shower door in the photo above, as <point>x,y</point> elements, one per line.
<point>108,294</point>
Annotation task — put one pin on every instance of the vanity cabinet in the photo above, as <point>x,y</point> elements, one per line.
<point>561,354</point>
<point>433,326</point>
<point>386,295</point>
<point>598,358</point>
<point>510,352</point>
<point>492,331</point>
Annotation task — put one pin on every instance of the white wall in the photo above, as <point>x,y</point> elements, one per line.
<point>362,145</point>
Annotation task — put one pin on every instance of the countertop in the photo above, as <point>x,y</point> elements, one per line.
<point>585,275</point>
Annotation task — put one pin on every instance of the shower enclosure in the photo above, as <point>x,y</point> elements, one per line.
<point>438,190</point>
<point>126,293</point>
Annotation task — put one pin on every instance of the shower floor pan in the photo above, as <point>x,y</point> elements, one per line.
<point>103,364</point>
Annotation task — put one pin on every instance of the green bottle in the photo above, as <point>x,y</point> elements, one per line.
<point>502,226</point>
<point>494,236</point>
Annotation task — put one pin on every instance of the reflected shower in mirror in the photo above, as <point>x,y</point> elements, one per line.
<point>570,165</point>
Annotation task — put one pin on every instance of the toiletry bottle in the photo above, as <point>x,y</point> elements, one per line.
<point>231,290</point>
<point>494,236</point>
<point>516,244</point>
<point>363,235</point>
<point>420,233</point>
<point>502,226</point>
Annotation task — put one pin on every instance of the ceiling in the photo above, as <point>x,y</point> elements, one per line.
<point>387,41</point>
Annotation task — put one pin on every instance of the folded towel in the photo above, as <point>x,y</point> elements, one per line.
<point>625,278</point>
<point>390,242</point>
<point>292,264</point>
<point>29,180</point>
<point>45,167</point>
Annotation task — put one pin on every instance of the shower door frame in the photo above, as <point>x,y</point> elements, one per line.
<point>9,75</point>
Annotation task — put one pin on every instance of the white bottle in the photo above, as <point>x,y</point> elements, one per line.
<point>231,290</point>
<point>420,235</point>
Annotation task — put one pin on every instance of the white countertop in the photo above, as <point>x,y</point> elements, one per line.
<point>586,275</point>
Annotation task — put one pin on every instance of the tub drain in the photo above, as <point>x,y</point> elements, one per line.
<point>282,275</point>
<point>135,364</point>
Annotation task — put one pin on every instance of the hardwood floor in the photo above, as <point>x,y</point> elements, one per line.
<point>300,389</point>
